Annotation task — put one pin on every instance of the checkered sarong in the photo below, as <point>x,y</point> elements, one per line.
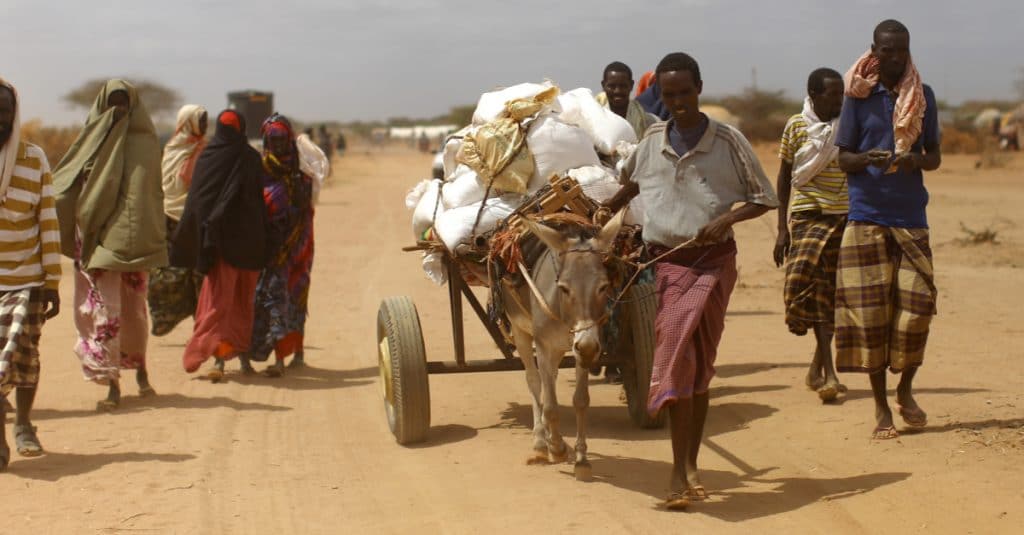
<point>693,288</point>
<point>810,289</point>
<point>885,298</point>
<point>21,322</point>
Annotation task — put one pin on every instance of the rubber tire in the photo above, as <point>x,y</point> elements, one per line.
<point>639,307</point>
<point>409,411</point>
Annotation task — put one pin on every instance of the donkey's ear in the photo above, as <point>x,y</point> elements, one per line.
<point>551,237</point>
<point>606,237</point>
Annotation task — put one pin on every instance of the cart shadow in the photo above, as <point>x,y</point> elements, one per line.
<point>133,404</point>
<point>731,497</point>
<point>305,378</point>
<point>55,466</point>
<point>613,422</point>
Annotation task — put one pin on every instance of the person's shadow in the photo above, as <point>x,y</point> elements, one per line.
<point>133,404</point>
<point>305,378</point>
<point>730,497</point>
<point>54,466</point>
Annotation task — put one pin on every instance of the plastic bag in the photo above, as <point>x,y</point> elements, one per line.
<point>433,266</point>
<point>498,152</point>
<point>313,162</point>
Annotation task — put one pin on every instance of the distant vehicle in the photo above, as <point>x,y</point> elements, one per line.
<point>255,106</point>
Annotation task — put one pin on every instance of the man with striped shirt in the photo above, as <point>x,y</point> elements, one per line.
<point>813,188</point>
<point>29,270</point>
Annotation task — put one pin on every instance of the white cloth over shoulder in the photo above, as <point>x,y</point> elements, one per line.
<point>820,149</point>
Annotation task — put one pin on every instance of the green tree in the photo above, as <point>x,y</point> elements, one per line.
<point>159,99</point>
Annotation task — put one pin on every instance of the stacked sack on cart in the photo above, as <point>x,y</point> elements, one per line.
<point>520,138</point>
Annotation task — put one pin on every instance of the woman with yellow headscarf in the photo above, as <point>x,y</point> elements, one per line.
<point>110,211</point>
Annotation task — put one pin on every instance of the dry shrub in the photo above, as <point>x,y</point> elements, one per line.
<point>977,237</point>
<point>956,141</point>
<point>54,140</point>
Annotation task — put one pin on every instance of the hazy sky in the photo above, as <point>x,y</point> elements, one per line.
<point>373,59</point>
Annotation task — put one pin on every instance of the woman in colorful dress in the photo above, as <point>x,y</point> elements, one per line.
<point>222,236</point>
<point>174,291</point>
<point>110,213</point>
<point>282,293</point>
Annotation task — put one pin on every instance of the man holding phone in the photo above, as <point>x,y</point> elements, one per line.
<point>885,290</point>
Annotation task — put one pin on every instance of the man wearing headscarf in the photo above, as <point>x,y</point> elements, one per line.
<point>811,222</point>
<point>885,288</point>
<point>30,272</point>
<point>222,236</point>
<point>173,291</point>
<point>110,210</point>
<point>282,293</point>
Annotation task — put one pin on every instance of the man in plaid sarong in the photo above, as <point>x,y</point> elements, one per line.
<point>813,204</point>
<point>29,273</point>
<point>885,299</point>
<point>690,172</point>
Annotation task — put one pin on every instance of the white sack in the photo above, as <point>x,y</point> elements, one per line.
<point>492,104</point>
<point>556,148</point>
<point>605,128</point>
<point>455,226</point>
<point>598,182</point>
<point>464,188</point>
<point>423,216</point>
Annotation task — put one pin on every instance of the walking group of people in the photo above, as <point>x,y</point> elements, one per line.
<point>236,226</point>
<point>853,234</point>
<point>214,230</point>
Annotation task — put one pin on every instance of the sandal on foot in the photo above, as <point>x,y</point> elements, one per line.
<point>297,363</point>
<point>815,384</point>
<point>828,393</point>
<point>677,501</point>
<point>106,405</point>
<point>697,493</point>
<point>26,441</point>
<point>215,375</point>
<point>274,371</point>
<point>885,433</point>
<point>913,417</point>
<point>146,392</point>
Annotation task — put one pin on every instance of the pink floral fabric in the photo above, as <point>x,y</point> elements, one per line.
<point>112,323</point>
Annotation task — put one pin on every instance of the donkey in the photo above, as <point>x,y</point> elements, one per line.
<point>566,311</point>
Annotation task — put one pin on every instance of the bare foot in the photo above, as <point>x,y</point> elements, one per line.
<point>298,361</point>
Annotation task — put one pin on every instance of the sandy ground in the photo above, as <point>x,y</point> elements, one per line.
<point>311,453</point>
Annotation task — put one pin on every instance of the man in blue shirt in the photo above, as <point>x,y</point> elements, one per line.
<point>885,291</point>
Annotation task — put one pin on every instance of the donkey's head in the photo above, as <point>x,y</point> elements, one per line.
<point>584,287</point>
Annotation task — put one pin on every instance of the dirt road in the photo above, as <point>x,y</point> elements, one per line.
<point>311,453</point>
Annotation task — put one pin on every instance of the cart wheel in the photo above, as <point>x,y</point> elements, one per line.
<point>639,310</point>
<point>403,369</point>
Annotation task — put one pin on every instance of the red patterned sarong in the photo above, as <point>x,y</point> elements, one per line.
<point>693,288</point>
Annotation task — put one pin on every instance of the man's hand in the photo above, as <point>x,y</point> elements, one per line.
<point>717,230</point>
<point>51,303</point>
<point>908,161</point>
<point>878,157</point>
<point>781,248</point>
